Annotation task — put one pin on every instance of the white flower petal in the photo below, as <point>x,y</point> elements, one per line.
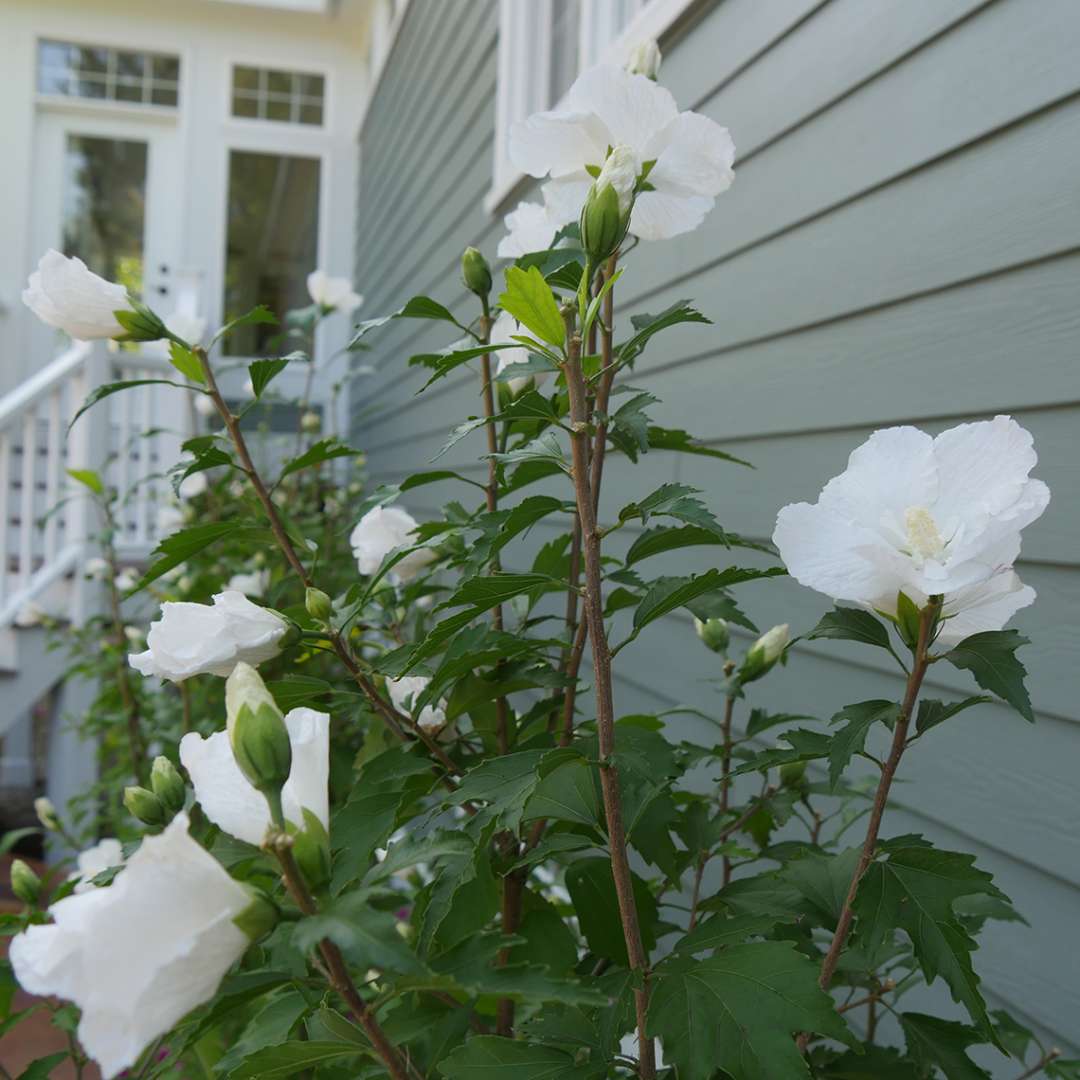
<point>382,530</point>
<point>64,293</point>
<point>558,143</point>
<point>404,691</point>
<point>694,156</point>
<point>986,606</point>
<point>633,108</point>
<point>658,215</point>
<point>140,954</point>
<point>229,800</point>
<point>530,228</point>
<point>95,860</point>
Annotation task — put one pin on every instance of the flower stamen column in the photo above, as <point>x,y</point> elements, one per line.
<point>605,710</point>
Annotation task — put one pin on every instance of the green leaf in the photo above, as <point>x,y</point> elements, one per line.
<point>529,298</point>
<point>487,590</point>
<point>666,538</point>
<point>433,476</point>
<point>292,691</point>
<point>43,1067</point>
<point>667,594</point>
<point>546,448</point>
<point>719,931</point>
<point>915,888</point>
<point>186,362</point>
<point>850,740</point>
<point>363,824</point>
<point>289,1060</point>
<point>179,547</point>
<point>933,1042</point>
<point>823,880</point>
<point>629,427</point>
<point>89,479</point>
<point>419,307</point>
<point>933,712</point>
<point>263,372</point>
<point>270,1026</point>
<point>870,1063</point>
<point>647,326</point>
<point>488,1057</point>
<point>592,890</point>
<point>504,784</point>
<point>367,936</point>
<point>991,659</point>
<point>851,624</point>
<point>256,315</point>
<point>805,745</point>
<point>740,1010</point>
<point>446,360</point>
<point>323,450</point>
<point>681,442</point>
<point>108,389</point>
<point>568,793</point>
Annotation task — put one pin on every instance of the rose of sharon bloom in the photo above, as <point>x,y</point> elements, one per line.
<point>94,860</point>
<point>926,516</point>
<point>333,293</point>
<point>404,691</point>
<point>229,800</point>
<point>608,107</point>
<point>503,333</point>
<point>382,530</point>
<point>252,584</point>
<point>210,639</point>
<point>138,955</point>
<point>64,293</point>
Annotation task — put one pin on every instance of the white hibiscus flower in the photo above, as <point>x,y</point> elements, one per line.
<point>927,516</point>
<point>404,691</point>
<point>606,107</point>
<point>382,530</point>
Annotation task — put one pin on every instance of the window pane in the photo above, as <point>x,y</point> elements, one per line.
<point>272,240</point>
<point>245,105</point>
<point>279,82</point>
<point>310,85</point>
<point>104,206</point>
<point>129,90</point>
<point>89,60</point>
<point>106,74</point>
<point>166,67</point>
<point>90,87</point>
<point>279,109</point>
<point>164,95</point>
<point>310,114</point>
<point>245,78</point>
<point>128,63</point>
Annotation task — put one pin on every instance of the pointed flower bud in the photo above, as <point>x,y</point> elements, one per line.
<point>46,813</point>
<point>793,775</point>
<point>167,784</point>
<point>764,653</point>
<point>145,806</point>
<point>319,605</point>
<point>475,272</point>
<point>714,633</point>
<point>25,884</point>
<point>258,736</point>
<point>645,59</point>
<point>311,849</point>
<point>605,216</point>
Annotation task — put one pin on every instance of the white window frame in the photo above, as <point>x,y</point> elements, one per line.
<point>524,65</point>
<point>233,61</point>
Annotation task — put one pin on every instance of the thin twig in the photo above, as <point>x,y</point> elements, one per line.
<point>1051,1055</point>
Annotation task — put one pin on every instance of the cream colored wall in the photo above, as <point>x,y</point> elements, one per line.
<point>207,34</point>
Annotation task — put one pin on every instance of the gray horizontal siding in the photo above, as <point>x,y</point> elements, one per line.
<point>901,245</point>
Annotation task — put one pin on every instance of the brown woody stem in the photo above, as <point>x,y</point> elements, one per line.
<point>927,620</point>
<point>605,710</point>
<point>280,845</point>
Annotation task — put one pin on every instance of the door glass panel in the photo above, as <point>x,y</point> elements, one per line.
<point>271,240</point>
<point>104,207</point>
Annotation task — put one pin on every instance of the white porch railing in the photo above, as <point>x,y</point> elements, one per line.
<point>39,547</point>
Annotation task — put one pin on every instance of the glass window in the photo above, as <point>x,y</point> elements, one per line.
<point>286,97</point>
<point>271,240</point>
<point>105,74</point>
<point>105,206</point>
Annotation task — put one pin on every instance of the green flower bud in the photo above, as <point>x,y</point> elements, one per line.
<point>475,272</point>
<point>311,849</point>
<point>318,604</point>
<point>46,813</point>
<point>168,785</point>
<point>139,323</point>
<point>764,653</point>
<point>258,736</point>
<point>714,633</point>
<point>259,917</point>
<point>605,217</point>
<point>25,884</point>
<point>311,422</point>
<point>145,806</point>
<point>793,775</point>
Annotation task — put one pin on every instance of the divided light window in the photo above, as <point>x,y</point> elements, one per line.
<point>102,73</point>
<point>289,97</point>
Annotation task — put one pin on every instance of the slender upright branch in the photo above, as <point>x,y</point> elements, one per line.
<point>927,620</point>
<point>280,844</point>
<point>1046,1059</point>
<point>725,763</point>
<point>394,720</point>
<point>605,710</point>
<point>603,389</point>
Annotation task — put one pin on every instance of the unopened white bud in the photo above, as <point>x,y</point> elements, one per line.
<point>645,59</point>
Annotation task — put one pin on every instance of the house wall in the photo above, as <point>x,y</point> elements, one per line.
<point>208,35</point>
<point>901,245</point>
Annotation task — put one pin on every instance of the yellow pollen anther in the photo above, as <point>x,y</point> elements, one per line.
<point>923,537</point>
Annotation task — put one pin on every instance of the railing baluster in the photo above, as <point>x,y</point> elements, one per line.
<point>53,467</point>
<point>5,509</point>
<point>145,464</point>
<point>26,501</point>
